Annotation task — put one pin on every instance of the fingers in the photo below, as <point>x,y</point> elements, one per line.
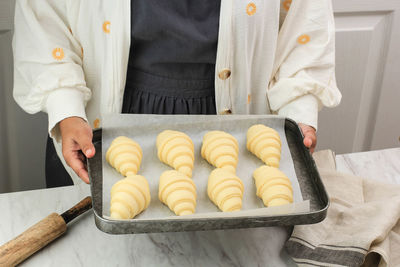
<point>74,158</point>
<point>310,137</point>
<point>77,145</point>
<point>79,167</point>
<point>85,143</point>
<point>310,142</point>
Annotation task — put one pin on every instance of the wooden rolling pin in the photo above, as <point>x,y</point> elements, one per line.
<point>39,235</point>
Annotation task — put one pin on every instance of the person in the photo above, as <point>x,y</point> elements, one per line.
<point>79,59</point>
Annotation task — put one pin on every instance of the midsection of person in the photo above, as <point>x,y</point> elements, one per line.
<point>246,47</point>
<point>180,62</point>
<point>172,57</point>
<point>242,65</point>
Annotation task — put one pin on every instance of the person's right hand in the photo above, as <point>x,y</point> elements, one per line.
<point>77,143</point>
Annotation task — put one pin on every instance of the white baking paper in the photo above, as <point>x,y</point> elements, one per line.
<point>144,130</point>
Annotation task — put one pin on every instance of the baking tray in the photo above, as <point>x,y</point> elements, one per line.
<point>310,183</point>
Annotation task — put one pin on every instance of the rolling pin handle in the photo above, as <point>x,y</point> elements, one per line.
<point>36,237</point>
<point>83,206</point>
<point>39,235</point>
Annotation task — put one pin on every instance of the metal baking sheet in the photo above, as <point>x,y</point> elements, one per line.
<point>208,217</point>
<point>144,130</point>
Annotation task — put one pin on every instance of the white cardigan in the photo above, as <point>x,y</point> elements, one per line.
<point>71,56</point>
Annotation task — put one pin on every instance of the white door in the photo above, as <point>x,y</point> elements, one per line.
<point>22,136</point>
<point>368,75</point>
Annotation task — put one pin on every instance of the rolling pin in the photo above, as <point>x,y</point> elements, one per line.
<point>39,235</point>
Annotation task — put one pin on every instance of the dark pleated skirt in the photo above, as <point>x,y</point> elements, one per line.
<point>151,94</point>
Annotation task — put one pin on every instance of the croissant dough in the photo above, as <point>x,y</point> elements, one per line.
<point>265,143</point>
<point>225,189</point>
<point>220,149</point>
<point>177,150</point>
<point>178,192</point>
<point>125,155</point>
<point>273,186</point>
<point>129,197</point>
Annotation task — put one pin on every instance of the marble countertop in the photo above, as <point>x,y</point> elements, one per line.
<point>85,245</point>
<point>382,165</point>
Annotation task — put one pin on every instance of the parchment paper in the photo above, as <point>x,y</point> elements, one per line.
<point>144,130</point>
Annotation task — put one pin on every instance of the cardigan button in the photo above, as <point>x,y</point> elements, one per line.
<point>226,112</point>
<point>224,74</point>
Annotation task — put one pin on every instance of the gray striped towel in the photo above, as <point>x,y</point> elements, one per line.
<point>362,226</point>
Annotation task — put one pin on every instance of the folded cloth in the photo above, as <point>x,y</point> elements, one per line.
<point>362,226</point>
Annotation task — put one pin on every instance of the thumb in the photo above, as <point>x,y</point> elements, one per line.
<point>307,141</point>
<point>86,145</point>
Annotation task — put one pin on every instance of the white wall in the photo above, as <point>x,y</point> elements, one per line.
<point>22,136</point>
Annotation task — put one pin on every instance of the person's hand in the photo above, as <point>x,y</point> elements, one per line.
<point>77,143</point>
<point>310,136</point>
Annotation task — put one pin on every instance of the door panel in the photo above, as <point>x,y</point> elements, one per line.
<point>364,40</point>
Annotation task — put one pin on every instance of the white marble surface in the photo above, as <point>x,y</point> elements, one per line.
<point>85,245</point>
<point>381,165</point>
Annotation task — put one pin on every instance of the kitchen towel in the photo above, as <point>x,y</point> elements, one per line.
<point>362,226</point>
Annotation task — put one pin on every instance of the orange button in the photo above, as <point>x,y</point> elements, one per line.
<point>224,74</point>
<point>303,39</point>
<point>106,26</point>
<point>251,9</point>
<point>58,53</point>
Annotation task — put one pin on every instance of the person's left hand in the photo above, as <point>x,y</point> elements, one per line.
<point>310,136</point>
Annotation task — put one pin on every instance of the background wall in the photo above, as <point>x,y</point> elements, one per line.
<point>368,75</point>
<point>22,136</point>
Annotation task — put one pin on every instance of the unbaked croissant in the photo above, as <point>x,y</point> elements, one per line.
<point>129,197</point>
<point>177,150</point>
<point>265,143</point>
<point>220,149</point>
<point>178,192</point>
<point>225,189</point>
<point>125,155</point>
<point>273,186</point>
